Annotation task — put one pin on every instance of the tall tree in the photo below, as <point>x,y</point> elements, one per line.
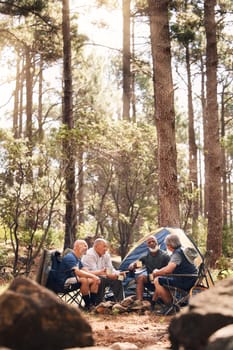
<point>185,28</point>
<point>68,144</point>
<point>214,237</point>
<point>164,113</point>
<point>126,59</point>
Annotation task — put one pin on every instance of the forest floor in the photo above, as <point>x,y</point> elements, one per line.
<point>141,330</point>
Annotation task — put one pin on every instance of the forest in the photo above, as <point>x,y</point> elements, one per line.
<point>116,118</point>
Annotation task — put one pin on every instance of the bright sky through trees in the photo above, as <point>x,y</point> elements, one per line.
<point>101,25</point>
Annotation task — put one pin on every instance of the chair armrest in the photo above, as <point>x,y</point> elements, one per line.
<point>180,275</point>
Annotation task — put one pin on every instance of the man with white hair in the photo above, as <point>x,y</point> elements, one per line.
<point>181,263</point>
<point>98,261</point>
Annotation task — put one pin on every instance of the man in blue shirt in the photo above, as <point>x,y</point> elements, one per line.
<point>72,271</point>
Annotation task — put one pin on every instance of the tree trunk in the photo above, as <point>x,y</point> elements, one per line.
<point>21,105</point>
<point>203,189</point>
<point>29,93</point>
<point>126,59</point>
<point>133,93</point>
<point>16,101</point>
<point>68,145</point>
<point>224,166</point>
<point>214,236</point>
<point>192,149</point>
<point>40,102</point>
<point>80,188</point>
<point>164,113</point>
<point>30,68</point>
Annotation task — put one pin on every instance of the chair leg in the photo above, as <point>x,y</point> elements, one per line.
<point>72,297</point>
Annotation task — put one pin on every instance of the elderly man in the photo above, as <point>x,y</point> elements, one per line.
<point>98,261</point>
<point>72,271</point>
<point>154,259</point>
<point>181,263</point>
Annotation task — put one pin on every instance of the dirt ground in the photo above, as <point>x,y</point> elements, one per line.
<point>141,330</point>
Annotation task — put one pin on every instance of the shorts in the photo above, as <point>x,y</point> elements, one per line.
<point>185,283</point>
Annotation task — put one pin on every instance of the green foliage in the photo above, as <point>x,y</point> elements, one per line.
<point>224,268</point>
<point>200,235</point>
<point>27,198</point>
<point>227,240</point>
<point>22,7</point>
<point>86,229</point>
<point>121,178</point>
<point>3,255</point>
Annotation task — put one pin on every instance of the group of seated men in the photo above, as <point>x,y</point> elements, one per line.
<point>93,269</point>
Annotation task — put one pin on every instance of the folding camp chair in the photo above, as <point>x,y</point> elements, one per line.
<point>181,297</point>
<point>70,293</point>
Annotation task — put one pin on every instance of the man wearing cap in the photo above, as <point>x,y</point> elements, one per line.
<point>181,263</point>
<point>154,259</point>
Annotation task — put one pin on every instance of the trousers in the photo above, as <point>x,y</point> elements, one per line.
<point>114,284</point>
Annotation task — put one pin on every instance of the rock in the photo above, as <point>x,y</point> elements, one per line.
<point>32,317</point>
<point>206,313</point>
<point>222,339</point>
<point>119,308</point>
<point>118,346</point>
<point>142,306</point>
<point>126,305</point>
<point>123,346</point>
<point>105,307</point>
<point>128,301</point>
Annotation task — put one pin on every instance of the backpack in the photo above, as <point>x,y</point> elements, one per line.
<point>53,270</point>
<point>48,269</point>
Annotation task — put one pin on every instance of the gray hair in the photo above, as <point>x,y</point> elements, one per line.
<point>99,241</point>
<point>173,240</point>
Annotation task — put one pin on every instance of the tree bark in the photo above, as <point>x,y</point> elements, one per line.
<point>164,113</point>
<point>126,59</point>
<point>192,147</point>
<point>214,236</point>
<point>68,145</point>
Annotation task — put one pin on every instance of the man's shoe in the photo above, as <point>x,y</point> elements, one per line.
<point>152,305</point>
<point>88,308</point>
<point>156,304</point>
<point>167,310</point>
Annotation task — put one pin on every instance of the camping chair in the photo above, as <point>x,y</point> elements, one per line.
<point>48,264</point>
<point>181,297</point>
<point>71,294</point>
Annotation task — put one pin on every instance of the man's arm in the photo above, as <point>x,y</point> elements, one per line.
<point>84,273</point>
<point>70,264</point>
<point>165,270</point>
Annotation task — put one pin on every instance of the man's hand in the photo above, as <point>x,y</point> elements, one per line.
<point>132,266</point>
<point>112,276</point>
<point>154,272</point>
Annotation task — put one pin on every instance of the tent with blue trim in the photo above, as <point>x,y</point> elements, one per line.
<point>140,247</point>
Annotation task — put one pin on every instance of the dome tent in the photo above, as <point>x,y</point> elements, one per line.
<point>140,248</point>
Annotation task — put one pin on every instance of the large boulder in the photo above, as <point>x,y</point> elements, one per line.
<point>206,313</point>
<point>32,317</point>
<point>222,339</point>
